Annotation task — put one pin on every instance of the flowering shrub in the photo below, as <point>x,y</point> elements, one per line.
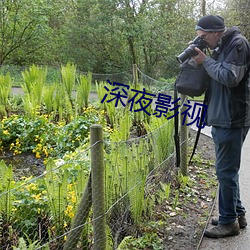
<point>43,137</point>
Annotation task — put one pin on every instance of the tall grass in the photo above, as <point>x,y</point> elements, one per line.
<point>48,98</point>
<point>83,90</point>
<point>161,134</point>
<point>6,184</point>
<point>5,90</point>
<point>33,86</point>
<point>68,74</point>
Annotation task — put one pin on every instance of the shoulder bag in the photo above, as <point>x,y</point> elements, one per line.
<point>192,79</point>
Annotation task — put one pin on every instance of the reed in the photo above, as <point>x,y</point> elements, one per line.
<point>34,80</point>
<point>5,90</point>
<point>83,90</point>
<point>68,75</point>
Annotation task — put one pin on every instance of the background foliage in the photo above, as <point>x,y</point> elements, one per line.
<point>107,35</point>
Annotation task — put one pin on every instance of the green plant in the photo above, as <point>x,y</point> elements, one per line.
<point>68,74</point>
<point>184,181</point>
<point>83,90</point>
<point>23,134</point>
<point>101,92</point>
<point>48,98</point>
<point>29,244</point>
<point>5,89</point>
<point>56,187</point>
<point>141,117</point>
<point>176,199</point>
<point>126,172</point>
<point>30,207</point>
<point>34,81</point>
<point>160,132</point>
<point>164,191</point>
<point>43,137</point>
<point>65,181</point>
<point>122,122</point>
<point>147,241</point>
<point>6,184</point>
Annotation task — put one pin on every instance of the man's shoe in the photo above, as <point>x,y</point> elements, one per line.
<point>241,219</point>
<point>221,231</point>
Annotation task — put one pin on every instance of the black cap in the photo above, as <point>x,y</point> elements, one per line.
<point>210,23</point>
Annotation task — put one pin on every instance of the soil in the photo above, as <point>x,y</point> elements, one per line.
<point>186,223</point>
<point>25,164</point>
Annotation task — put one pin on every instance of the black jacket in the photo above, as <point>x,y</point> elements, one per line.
<point>229,88</point>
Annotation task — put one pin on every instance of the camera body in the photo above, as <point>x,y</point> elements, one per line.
<point>190,51</point>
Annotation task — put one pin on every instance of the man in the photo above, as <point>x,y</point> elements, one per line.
<point>228,113</point>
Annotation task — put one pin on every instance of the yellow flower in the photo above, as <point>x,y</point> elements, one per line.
<point>38,155</point>
<point>73,199</point>
<point>69,211</point>
<point>6,132</point>
<point>45,151</point>
<point>14,209</point>
<point>16,152</point>
<point>31,186</point>
<point>37,196</point>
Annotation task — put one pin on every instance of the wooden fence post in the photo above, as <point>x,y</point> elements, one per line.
<point>98,195</point>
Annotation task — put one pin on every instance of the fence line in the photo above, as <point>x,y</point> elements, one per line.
<point>80,226</point>
<point>126,146</point>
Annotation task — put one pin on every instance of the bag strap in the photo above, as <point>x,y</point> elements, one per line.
<point>176,126</point>
<point>199,128</point>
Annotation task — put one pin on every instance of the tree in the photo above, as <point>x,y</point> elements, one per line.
<point>106,36</point>
<point>102,36</point>
<point>237,13</point>
<point>21,21</point>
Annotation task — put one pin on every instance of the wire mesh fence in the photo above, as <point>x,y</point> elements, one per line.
<point>56,209</point>
<point>46,210</point>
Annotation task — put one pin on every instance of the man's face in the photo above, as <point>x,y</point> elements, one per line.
<point>211,38</point>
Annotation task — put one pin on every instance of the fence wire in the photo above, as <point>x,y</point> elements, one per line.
<point>44,210</point>
<point>157,85</point>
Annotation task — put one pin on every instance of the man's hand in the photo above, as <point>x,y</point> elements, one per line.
<point>200,58</point>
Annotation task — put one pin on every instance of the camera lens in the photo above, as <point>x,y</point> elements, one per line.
<point>187,53</point>
<point>190,50</point>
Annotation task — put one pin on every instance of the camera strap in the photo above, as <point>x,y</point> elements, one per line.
<point>176,129</point>
<point>199,128</point>
<point>176,126</point>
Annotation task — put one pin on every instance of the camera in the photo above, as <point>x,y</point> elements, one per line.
<point>190,51</point>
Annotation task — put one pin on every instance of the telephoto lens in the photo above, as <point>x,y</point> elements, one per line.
<point>190,50</point>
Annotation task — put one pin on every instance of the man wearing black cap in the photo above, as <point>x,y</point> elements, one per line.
<point>228,113</point>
